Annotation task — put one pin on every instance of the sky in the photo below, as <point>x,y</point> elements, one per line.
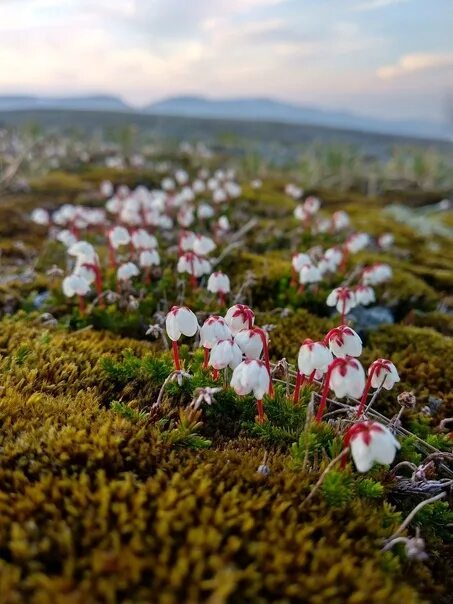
<point>383,58</point>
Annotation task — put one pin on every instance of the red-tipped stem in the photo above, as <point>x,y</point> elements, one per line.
<point>301,288</point>
<point>215,374</point>
<point>325,390</point>
<point>266,359</point>
<point>175,349</point>
<point>221,298</point>
<point>361,408</point>
<point>299,381</point>
<point>312,376</point>
<point>82,305</point>
<point>260,409</point>
<point>205,357</point>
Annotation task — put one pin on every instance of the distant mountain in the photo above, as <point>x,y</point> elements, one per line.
<point>265,109</point>
<point>250,109</point>
<point>80,103</point>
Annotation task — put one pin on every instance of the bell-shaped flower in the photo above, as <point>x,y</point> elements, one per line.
<point>119,236</point>
<point>300,213</point>
<point>309,273</point>
<point>40,216</point>
<point>219,283</point>
<point>212,331</point>
<point>239,317</point>
<point>84,252</point>
<point>252,376</point>
<point>344,341</point>
<point>219,196</point>
<point>250,342</point>
<point>312,205</point>
<point>149,258</point>
<point>205,211</point>
<point>334,257</point>
<point>127,271</point>
<point>180,320</point>
<point>106,188</point>
<point>386,240</point>
<point>66,237</point>
<point>75,285</point>
<point>181,177</point>
<point>346,377</point>
<point>142,240</point>
<point>203,245</point>
<point>376,274</point>
<point>198,186</point>
<point>364,295</point>
<point>343,298</point>
<point>225,353</point>
<point>312,357</point>
<point>357,242</point>
<point>299,260</point>
<point>382,373</point>
<point>340,220</point>
<point>371,442</point>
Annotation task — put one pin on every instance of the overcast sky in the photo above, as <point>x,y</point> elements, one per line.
<point>388,58</point>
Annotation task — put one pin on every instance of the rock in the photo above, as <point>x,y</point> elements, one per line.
<point>365,319</point>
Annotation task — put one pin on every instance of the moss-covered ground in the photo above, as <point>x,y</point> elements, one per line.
<point>105,497</point>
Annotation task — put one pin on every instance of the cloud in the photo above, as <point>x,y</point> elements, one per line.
<point>415,62</point>
<point>376,4</point>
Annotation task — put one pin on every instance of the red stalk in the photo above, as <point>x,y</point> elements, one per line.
<point>175,349</point>
<point>221,298</point>
<point>325,390</point>
<point>266,359</point>
<point>260,409</point>
<point>343,312</point>
<point>344,260</point>
<point>301,288</point>
<point>365,392</point>
<point>215,374</point>
<point>299,381</point>
<point>81,305</point>
<point>312,376</point>
<point>206,358</point>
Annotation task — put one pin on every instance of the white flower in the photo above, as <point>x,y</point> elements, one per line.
<point>181,177</point>
<point>299,260</point>
<point>250,342</point>
<point>342,298</point>
<point>309,273</point>
<point>142,240</point>
<point>168,184</point>
<point>239,317</point>
<point>333,256</point>
<point>84,252</point>
<point>344,341</point>
<point>225,353</point>
<point>313,356</point>
<point>347,377</point>
<point>106,188</point>
<point>250,376</point>
<point>376,274</point>
<point>198,186</point>
<point>219,196</point>
<point>357,242</point>
<point>223,223</point>
<point>40,216</point>
<point>371,442</point>
<point>205,211</point>
<point>312,205</point>
<point>218,283</point>
<point>66,238</point>
<point>186,241</point>
<point>364,295</point>
<point>300,213</point>
<point>75,285</point>
<point>181,320</point>
<point>203,245</point>
<point>213,330</point>
<point>119,236</point>
<point>126,271</point>
<point>386,240</point>
<point>383,374</point>
<point>340,220</point>
<point>149,258</point>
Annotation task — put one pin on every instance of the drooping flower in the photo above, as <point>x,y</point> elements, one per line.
<point>40,216</point>
<point>376,274</point>
<point>312,205</point>
<point>313,358</point>
<point>76,285</point>
<point>212,331</point>
<point>344,300</point>
<point>364,295</point>
<point>309,273</point>
<point>346,377</point>
<point>344,341</point>
<point>382,373</point>
<point>142,240</point>
<point>253,342</point>
<point>180,320</point>
<point>225,353</point>
<point>119,236</point>
<point>239,317</point>
<point>371,442</point>
<point>127,271</point>
<point>251,376</point>
<point>219,283</point>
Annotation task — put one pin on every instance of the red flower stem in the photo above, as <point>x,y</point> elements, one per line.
<point>176,360</point>
<point>81,305</point>
<point>312,376</point>
<point>299,381</point>
<point>325,392</point>
<point>344,260</point>
<point>301,288</point>
<point>147,275</point>
<point>215,374</point>
<point>365,392</point>
<point>221,298</point>
<point>260,409</point>
<point>205,358</point>
<point>112,256</point>
<point>293,277</point>
<point>266,360</point>
<point>343,312</point>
